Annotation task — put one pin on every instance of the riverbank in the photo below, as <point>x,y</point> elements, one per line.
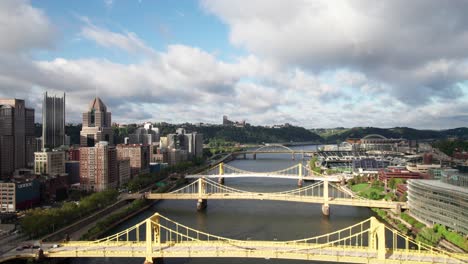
<point>102,226</point>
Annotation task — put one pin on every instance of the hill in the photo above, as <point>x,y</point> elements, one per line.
<point>341,134</point>
<point>248,134</point>
<point>260,134</point>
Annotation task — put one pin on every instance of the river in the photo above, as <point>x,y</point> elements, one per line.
<point>256,220</point>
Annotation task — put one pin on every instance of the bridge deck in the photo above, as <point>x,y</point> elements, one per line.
<point>267,175</point>
<point>245,249</point>
<point>277,197</point>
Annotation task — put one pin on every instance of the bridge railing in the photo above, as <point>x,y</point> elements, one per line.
<point>212,187</point>
<point>298,169</point>
<point>369,236</point>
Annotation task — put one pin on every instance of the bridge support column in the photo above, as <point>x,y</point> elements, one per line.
<point>300,182</point>
<point>326,209</point>
<point>154,261</point>
<point>202,204</point>
<point>377,238</point>
<point>149,242</point>
<point>325,206</point>
<point>293,156</point>
<point>221,173</point>
<point>152,237</point>
<point>245,156</point>
<point>254,156</point>
<point>221,180</point>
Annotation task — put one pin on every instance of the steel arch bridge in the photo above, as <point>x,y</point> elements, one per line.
<point>369,241</point>
<point>273,148</point>
<point>374,136</point>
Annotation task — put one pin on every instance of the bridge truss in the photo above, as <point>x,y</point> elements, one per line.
<point>368,241</point>
<point>298,171</point>
<point>322,192</point>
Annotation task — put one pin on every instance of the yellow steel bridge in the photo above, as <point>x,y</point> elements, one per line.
<point>321,192</point>
<point>159,237</point>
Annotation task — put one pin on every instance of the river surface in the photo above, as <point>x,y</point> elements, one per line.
<point>255,220</point>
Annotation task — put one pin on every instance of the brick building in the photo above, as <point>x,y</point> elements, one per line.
<point>98,167</point>
<point>139,157</point>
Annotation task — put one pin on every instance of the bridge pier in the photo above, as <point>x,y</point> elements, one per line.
<point>293,157</point>
<point>254,156</point>
<point>154,261</point>
<point>201,204</point>
<point>245,156</point>
<point>325,209</point>
<point>325,206</point>
<point>300,183</point>
<point>221,180</point>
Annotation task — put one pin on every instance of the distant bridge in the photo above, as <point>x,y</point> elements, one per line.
<point>369,241</point>
<point>274,149</point>
<point>297,172</point>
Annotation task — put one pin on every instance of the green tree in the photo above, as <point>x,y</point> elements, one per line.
<point>392,183</point>
<point>373,195</point>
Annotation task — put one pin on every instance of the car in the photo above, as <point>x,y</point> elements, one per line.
<point>56,246</point>
<point>19,249</point>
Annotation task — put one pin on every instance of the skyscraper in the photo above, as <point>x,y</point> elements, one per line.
<point>53,121</point>
<point>146,135</point>
<point>16,136</point>
<point>96,125</point>
<point>98,167</point>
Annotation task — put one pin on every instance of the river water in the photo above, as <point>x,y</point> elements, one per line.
<point>255,220</point>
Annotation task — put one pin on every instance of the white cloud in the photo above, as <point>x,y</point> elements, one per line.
<point>383,40</point>
<point>128,41</point>
<point>303,76</point>
<point>109,3</point>
<point>23,27</point>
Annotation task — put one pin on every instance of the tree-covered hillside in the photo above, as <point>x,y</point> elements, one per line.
<point>260,134</point>
<point>341,134</point>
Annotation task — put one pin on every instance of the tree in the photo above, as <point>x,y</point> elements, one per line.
<point>392,183</point>
<point>373,195</point>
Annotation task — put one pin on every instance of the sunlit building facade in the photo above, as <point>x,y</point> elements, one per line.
<point>438,202</point>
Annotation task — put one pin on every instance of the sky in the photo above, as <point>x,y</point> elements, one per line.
<point>315,64</point>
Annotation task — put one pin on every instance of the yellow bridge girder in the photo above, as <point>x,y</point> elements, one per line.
<point>364,242</point>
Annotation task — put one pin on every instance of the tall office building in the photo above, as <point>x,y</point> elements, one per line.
<point>50,163</point>
<point>53,121</point>
<point>139,157</point>
<point>96,125</point>
<point>17,139</point>
<point>98,167</point>
<point>146,135</point>
<point>195,144</point>
<point>192,143</point>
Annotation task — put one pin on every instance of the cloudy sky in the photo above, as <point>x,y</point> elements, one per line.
<point>310,63</point>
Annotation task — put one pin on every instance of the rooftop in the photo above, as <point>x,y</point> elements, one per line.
<point>441,185</point>
<point>97,105</point>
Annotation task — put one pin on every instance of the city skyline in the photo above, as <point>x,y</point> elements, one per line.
<point>311,64</point>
